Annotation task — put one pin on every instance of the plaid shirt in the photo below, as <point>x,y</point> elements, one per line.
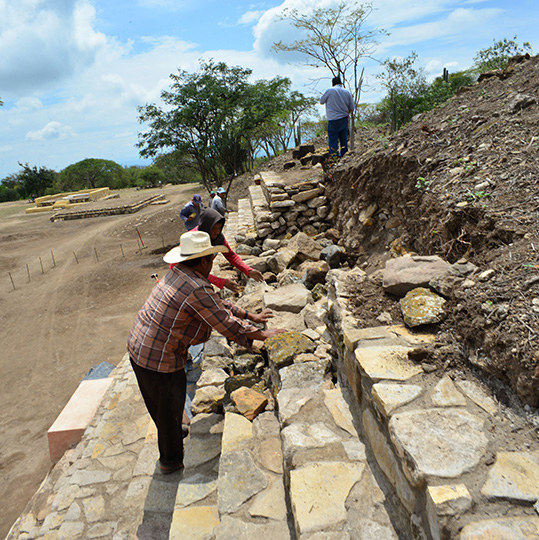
<point>181,311</point>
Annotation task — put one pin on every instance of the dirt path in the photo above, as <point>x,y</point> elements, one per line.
<point>68,319</point>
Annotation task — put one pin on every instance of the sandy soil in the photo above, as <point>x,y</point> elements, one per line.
<point>67,319</point>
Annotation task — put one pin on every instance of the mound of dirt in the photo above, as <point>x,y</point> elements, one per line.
<point>461,182</point>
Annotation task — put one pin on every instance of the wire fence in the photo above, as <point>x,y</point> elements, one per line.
<point>45,263</point>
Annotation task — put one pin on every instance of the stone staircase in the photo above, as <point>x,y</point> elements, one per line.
<point>357,441</point>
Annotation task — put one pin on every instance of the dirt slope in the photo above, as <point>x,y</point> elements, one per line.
<point>462,181</point>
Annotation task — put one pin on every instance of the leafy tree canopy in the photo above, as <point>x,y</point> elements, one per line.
<point>498,54</point>
<point>28,182</point>
<point>151,176</point>
<point>405,85</point>
<point>212,116</point>
<point>91,173</point>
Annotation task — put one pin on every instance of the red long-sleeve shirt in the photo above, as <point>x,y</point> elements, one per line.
<point>234,259</point>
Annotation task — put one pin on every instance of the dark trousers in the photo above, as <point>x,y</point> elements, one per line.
<point>164,396</point>
<point>338,134</point>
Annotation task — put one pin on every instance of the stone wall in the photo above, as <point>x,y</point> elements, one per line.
<point>281,209</point>
<point>109,211</point>
<point>445,445</point>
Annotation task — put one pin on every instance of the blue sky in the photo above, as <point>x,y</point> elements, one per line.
<point>72,72</point>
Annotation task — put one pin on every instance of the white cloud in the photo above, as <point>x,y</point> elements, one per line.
<point>28,104</point>
<point>45,41</point>
<point>458,22</point>
<point>53,130</point>
<point>250,17</point>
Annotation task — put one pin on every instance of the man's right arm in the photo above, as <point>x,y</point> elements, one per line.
<point>208,307</point>
<point>184,213</point>
<point>324,97</point>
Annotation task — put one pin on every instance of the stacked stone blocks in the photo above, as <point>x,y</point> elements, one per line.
<point>431,436</point>
<point>281,209</point>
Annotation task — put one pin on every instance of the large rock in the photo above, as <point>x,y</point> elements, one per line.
<point>212,377</point>
<point>422,306</point>
<point>304,248</point>
<point>309,374</point>
<point>218,347</point>
<point>208,399</point>
<point>390,396</point>
<point>513,528</point>
<point>252,296</point>
<point>289,298</point>
<point>313,315</point>
<point>303,196</point>
<point>410,271</point>
<point>288,320</point>
<point>314,272</point>
<point>239,479</point>
<point>318,494</point>
<point>333,255</point>
<point>237,433</point>
<point>438,443</point>
<point>515,476</point>
<point>297,437</point>
<point>233,528</point>
<point>284,347</point>
<point>249,402</point>
<point>259,263</point>
<point>279,261</point>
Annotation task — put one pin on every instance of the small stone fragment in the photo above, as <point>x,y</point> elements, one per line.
<point>248,402</point>
<point>446,394</point>
<point>389,397</point>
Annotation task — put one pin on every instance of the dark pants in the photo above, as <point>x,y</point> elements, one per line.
<point>338,133</point>
<point>164,396</point>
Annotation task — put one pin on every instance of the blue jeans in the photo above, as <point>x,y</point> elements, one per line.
<point>338,133</point>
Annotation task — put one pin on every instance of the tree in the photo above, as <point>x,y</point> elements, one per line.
<point>498,54</point>
<point>212,116</point>
<point>178,168</point>
<point>151,176</point>
<point>442,88</point>
<point>335,38</point>
<point>91,173</point>
<point>405,86</point>
<point>282,117</point>
<point>30,181</point>
<point>198,118</point>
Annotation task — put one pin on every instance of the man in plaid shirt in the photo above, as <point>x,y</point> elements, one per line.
<point>181,311</point>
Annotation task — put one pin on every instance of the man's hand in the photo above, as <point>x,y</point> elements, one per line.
<point>272,332</point>
<point>256,275</point>
<point>232,285</point>
<point>261,317</point>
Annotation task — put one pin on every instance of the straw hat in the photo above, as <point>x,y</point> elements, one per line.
<point>193,244</point>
